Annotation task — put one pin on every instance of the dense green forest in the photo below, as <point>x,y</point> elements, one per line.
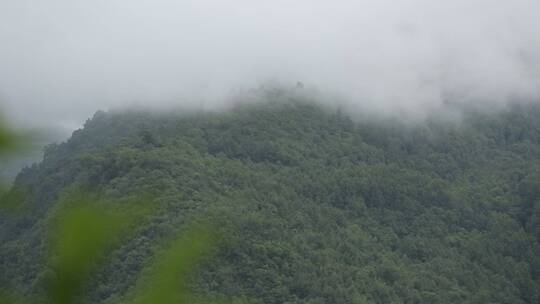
<point>311,205</point>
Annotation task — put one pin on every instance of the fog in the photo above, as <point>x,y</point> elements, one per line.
<point>61,60</point>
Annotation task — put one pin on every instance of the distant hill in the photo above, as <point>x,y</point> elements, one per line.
<point>313,205</point>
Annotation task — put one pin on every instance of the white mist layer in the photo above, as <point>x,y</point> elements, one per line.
<point>61,60</point>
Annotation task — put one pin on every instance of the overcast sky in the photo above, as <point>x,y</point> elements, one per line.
<point>61,60</point>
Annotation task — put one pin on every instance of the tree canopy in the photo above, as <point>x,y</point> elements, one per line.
<point>311,205</point>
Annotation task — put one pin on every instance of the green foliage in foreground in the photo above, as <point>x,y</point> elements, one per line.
<point>312,206</point>
<point>8,140</point>
<point>9,144</point>
<point>83,233</point>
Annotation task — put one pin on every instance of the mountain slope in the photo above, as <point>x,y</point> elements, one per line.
<point>313,207</point>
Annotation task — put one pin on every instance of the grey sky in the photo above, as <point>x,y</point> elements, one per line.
<point>61,60</point>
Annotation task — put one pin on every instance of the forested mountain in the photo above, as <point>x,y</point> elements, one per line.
<point>311,205</point>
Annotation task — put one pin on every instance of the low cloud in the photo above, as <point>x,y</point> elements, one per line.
<point>61,60</point>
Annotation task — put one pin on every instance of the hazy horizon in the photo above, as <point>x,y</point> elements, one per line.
<point>63,60</point>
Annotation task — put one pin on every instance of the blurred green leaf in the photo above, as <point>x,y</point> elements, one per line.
<point>8,140</point>
<point>12,141</point>
<point>80,238</point>
<point>167,280</point>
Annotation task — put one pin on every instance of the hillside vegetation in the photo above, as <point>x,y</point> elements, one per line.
<point>311,205</point>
